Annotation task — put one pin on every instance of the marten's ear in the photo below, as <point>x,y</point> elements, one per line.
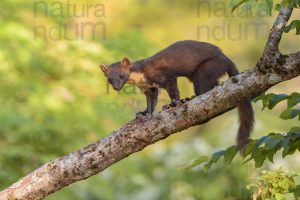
<point>104,69</point>
<point>126,62</point>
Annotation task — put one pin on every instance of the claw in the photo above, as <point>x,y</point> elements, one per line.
<point>173,104</point>
<point>165,107</point>
<point>140,114</point>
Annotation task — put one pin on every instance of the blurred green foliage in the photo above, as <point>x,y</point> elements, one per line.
<point>54,100</point>
<point>277,185</point>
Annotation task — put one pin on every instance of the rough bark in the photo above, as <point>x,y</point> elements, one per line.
<point>271,69</point>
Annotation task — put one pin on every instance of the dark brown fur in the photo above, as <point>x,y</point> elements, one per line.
<point>202,63</point>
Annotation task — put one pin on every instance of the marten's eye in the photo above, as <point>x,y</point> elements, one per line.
<point>122,76</point>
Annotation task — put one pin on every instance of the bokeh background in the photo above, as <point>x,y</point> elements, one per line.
<point>54,100</point>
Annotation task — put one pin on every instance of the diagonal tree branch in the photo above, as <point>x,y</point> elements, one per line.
<point>277,29</point>
<point>272,58</point>
<point>140,133</point>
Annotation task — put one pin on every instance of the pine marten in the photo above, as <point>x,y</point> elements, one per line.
<point>202,63</point>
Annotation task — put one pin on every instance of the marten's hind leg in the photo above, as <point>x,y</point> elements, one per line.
<point>172,90</point>
<point>205,78</point>
<point>201,87</point>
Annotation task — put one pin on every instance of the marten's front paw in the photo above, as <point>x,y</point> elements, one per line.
<point>175,103</point>
<point>165,107</point>
<point>182,101</point>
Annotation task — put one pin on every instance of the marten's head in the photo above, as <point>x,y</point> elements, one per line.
<point>117,73</point>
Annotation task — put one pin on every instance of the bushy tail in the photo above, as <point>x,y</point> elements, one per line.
<point>246,114</point>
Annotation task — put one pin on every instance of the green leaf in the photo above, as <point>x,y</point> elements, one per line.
<point>271,154</point>
<point>249,148</point>
<point>199,161</point>
<point>214,158</point>
<point>293,99</point>
<point>258,98</point>
<point>297,4</point>
<point>289,113</point>
<point>271,100</point>
<point>230,154</point>
<point>265,99</point>
<point>286,143</point>
<point>236,4</point>
<point>259,160</point>
<point>264,6</point>
<point>259,156</point>
<point>273,141</point>
<point>291,149</point>
<point>261,141</point>
<point>195,163</point>
<point>295,129</point>
<point>217,155</point>
<point>276,99</point>
<point>295,24</point>
<point>286,3</point>
<point>207,166</point>
<point>269,4</point>
<point>277,7</point>
<point>296,191</point>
